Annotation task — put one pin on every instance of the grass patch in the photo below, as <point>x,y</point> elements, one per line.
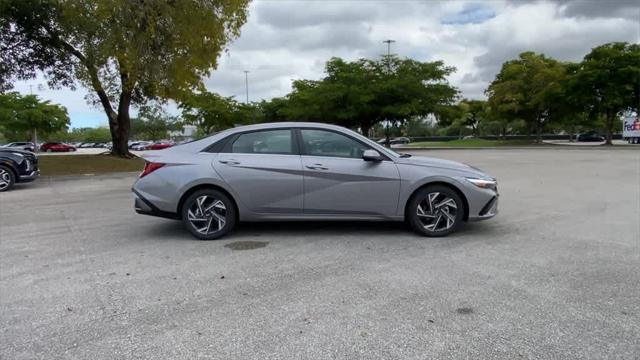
<point>472,143</point>
<point>86,164</point>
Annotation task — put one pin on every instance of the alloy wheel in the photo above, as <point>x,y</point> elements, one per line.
<point>437,212</point>
<point>5,179</point>
<point>207,214</point>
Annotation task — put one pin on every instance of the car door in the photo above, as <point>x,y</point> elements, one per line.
<point>264,170</point>
<point>338,181</point>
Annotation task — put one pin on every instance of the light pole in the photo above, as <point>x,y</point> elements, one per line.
<point>34,134</point>
<point>388,59</point>
<point>246,83</point>
<point>389,42</point>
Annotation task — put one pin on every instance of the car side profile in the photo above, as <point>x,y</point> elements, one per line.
<point>307,171</point>
<point>22,145</point>
<point>56,147</point>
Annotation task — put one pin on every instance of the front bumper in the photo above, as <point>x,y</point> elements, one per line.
<point>29,177</point>
<point>489,210</point>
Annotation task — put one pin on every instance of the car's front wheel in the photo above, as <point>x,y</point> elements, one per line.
<point>7,179</point>
<point>208,214</point>
<point>435,211</point>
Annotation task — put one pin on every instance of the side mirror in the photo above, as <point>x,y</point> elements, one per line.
<point>371,155</point>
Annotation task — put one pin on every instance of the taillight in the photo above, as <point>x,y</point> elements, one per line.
<point>150,167</point>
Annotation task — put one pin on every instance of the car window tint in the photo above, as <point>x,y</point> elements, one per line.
<point>264,142</point>
<point>329,143</point>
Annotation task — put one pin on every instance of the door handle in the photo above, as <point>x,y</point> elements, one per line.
<point>229,162</point>
<point>316,167</point>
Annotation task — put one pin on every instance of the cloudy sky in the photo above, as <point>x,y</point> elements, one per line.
<point>284,40</point>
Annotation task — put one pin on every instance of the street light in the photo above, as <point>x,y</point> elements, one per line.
<point>246,83</point>
<point>386,122</point>
<point>388,42</point>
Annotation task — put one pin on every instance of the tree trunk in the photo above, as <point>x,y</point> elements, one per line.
<point>121,126</point>
<point>609,137</point>
<point>609,121</point>
<point>365,129</point>
<point>571,129</point>
<point>538,132</point>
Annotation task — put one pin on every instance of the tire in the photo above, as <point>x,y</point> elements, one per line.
<point>220,207</point>
<point>430,221</point>
<point>7,178</point>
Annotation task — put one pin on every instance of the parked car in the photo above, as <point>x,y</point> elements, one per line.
<point>139,146</point>
<point>21,145</point>
<point>395,141</point>
<point>159,146</point>
<point>307,171</point>
<point>590,136</point>
<point>17,166</point>
<point>56,147</point>
<point>87,145</point>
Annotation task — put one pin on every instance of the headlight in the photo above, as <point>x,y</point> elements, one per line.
<point>18,155</point>
<point>485,184</point>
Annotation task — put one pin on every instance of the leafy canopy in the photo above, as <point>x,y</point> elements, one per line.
<point>21,115</point>
<point>125,51</point>
<point>526,88</point>
<point>365,92</point>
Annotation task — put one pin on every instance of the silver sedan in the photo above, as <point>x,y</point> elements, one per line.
<point>307,171</point>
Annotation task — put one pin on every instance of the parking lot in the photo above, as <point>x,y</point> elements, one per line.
<point>555,275</point>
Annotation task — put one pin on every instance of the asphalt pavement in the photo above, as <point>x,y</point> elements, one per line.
<point>556,275</point>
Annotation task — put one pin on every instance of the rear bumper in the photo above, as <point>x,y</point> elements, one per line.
<point>146,207</point>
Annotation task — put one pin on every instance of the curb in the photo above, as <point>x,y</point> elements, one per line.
<point>118,174</point>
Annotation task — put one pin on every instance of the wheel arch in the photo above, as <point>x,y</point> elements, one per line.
<point>13,168</point>
<point>440,183</point>
<point>195,188</point>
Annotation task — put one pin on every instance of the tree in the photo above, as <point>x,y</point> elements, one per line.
<point>124,51</point>
<point>526,88</point>
<point>273,110</point>
<point>26,116</point>
<point>366,92</point>
<point>608,82</point>
<point>474,113</point>
<point>211,112</point>
<point>155,123</point>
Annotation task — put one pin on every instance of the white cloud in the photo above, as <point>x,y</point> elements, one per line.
<point>285,40</point>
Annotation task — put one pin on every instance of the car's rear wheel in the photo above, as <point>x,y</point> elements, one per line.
<point>209,214</point>
<point>435,211</point>
<point>7,179</point>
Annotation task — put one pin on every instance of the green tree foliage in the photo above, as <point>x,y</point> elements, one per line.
<point>125,52</point>
<point>527,88</point>
<point>607,82</point>
<point>474,113</point>
<point>153,123</point>
<point>211,112</point>
<point>23,117</point>
<point>273,110</point>
<point>366,92</point>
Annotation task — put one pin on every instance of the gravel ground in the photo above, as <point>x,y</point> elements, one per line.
<point>555,275</point>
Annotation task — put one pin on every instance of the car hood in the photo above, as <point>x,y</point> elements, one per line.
<point>444,164</point>
<point>15,150</point>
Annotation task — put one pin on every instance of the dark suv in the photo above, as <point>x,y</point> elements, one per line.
<point>17,166</point>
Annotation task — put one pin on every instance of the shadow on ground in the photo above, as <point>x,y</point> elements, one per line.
<point>173,230</point>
